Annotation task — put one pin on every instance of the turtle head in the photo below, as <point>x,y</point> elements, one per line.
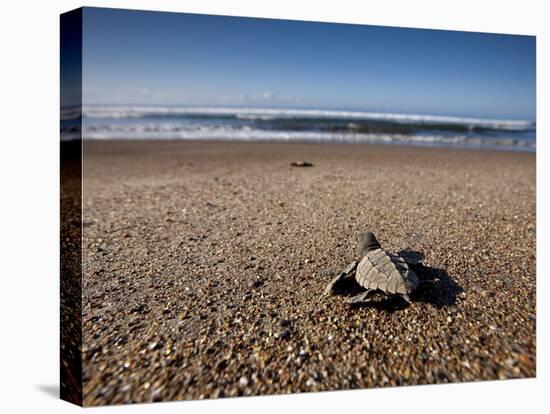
<point>367,242</point>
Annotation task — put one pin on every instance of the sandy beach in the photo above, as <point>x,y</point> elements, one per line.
<point>204,265</point>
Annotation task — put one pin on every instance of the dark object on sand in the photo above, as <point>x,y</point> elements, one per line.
<point>377,270</point>
<point>301,164</point>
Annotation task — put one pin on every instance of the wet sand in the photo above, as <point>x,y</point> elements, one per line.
<point>205,262</point>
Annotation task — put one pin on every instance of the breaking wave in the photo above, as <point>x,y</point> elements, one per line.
<point>252,124</point>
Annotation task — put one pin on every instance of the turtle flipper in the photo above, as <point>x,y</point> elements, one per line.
<point>406,297</point>
<point>360,298</point>
<point>350,270</point>
<point>429,281</point>
<point>333,285</point>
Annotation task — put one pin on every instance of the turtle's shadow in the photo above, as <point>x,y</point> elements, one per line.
<point>437,288</point>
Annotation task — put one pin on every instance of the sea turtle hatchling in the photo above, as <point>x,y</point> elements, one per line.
<point>377,270</point>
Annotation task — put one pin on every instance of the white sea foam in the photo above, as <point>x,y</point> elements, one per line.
<point>128,112</point>
<point>166,130</point>
<point>70,113</point>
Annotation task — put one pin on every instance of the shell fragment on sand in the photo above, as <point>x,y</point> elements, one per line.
<point>301,164</point>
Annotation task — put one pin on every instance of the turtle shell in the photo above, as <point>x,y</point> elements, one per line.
<point>386,272</point>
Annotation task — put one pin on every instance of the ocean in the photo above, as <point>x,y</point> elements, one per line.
<point>310,125</point>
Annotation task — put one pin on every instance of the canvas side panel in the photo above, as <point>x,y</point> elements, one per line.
<point>71,207</point>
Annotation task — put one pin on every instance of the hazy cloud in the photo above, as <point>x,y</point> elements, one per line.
<point>267,96</point>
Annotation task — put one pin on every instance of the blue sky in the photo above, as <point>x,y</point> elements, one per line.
<point>152,58</point>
